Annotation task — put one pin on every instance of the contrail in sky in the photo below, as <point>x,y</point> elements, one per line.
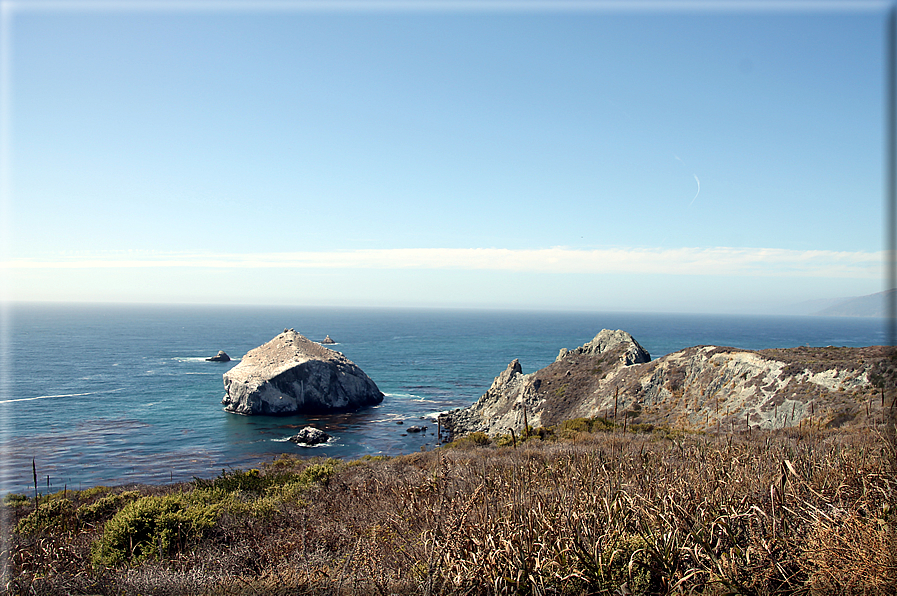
<point>696,180</point>
<point>699,189</point>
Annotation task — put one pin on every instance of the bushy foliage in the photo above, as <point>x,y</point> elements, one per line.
<point>56,514</point>
<point>586,425</point>
<point>240,480</point>
<point>15,500</point>
<point>282,472</point>
<point>106,505</point>
<point>476,439</point>
<point>155,526</point>
<point>628,562</point>
<point>93,491</point>
<point>317,473</point>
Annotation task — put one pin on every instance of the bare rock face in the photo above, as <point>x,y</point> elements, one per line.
<point>294,375</point>
<point>702,388</point>
<point>310,436</point>
<point>550,394</point>
<point>607,340</point>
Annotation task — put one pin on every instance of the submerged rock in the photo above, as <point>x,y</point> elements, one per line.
<point>219,357</point>
<point>293,375</point>
<point>310,436</point>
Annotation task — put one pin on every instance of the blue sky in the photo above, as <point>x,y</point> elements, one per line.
<point>706,157</point>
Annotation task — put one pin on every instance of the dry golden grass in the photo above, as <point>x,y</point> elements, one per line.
<point>785,512</point>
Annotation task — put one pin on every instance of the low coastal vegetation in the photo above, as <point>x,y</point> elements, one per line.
<point>584,507</point>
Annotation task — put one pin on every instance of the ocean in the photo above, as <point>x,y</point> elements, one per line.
<point>120,394</point>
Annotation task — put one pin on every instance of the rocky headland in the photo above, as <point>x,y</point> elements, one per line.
<point>699,388</point>
<point>294,375</point>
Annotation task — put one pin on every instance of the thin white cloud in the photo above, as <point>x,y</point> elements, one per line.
<point>767,262</point>
<point>699,190</point>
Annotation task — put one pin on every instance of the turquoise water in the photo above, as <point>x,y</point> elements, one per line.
<point>121,394</point>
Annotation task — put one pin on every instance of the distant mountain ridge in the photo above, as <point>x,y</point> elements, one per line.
<point>872,305</point>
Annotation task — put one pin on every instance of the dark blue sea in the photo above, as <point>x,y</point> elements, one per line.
<point>115,394</point>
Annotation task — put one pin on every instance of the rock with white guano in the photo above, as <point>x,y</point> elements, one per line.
<point>294,375</point>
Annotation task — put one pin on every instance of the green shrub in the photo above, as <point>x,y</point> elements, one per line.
<point>50,515</point>
<point>291,493</point>
<point>475,439</point>
<point>15,500</point>
<point>237,480</point>
<point>104,506</point>
<point>580,425</point>
<point>504,440</point>
<point>641,428</point>
<point>626,561</point>
<point>156,526</point>
<point>258,483</point>
<point>92,492</point>
<point>317,473</point>
<point>364,459</point>
<point>542,433</point>
<point>586,425</point>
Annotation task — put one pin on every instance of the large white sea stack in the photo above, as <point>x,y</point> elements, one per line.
<point>294,375</point>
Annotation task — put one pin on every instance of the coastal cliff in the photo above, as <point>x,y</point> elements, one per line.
<point>699,388</point>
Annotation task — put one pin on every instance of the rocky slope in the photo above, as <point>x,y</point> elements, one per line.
<point>291,374</point>
<point>699,388</point>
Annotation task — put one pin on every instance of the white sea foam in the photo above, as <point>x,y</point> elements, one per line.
<point>330,441</point>
<point>7,401</point>
<point>408,395</point>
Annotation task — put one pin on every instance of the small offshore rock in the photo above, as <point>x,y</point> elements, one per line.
<point>328,340</point>
<point>310,436</point>
<point>417,429</point>
<point>221,356</point>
